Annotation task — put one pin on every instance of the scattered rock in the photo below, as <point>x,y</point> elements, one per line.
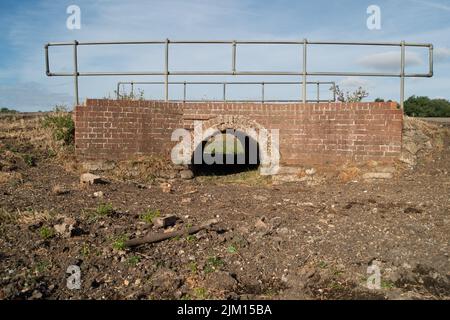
<point>221,281</point>
<point>67,228</point>
<point>186,174</point>
<point>89,178</point>
<point>98,194</point>
<point>168,174</point>
<point>165,221</point>
<point>186,200</point>
<point>261,224</point>
<point>165,187</point>
<point>310,172</point>
<point>59,190</point>
<point>377,175</point>
<point>259,197</point>
<point>165,280</point>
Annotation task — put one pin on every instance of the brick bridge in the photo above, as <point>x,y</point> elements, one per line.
<point>309,134</point>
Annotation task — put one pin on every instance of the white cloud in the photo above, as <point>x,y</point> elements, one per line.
<point>389,61</point>
<point>434,5</point>
<point>442,54</point>
<point>355,82</point>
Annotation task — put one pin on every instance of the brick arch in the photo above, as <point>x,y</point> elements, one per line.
<point>243,124</point>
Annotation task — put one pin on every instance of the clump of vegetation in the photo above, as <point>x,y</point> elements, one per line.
<point>29,159</point>
<point>132,95</point>
<point>133,260</point>
<point>232,249</point>
<point>213,263</point>
<point>346,96</point>
<point>46,233</point>
<point>426,107</point>
<point>119,242</point>
<point>200,293</point>
<point>104,209</point>
<point>61,124</point>
<point>149,215</point>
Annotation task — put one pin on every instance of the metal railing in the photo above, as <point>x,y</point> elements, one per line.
<point>304,72</point>
<point>225,84</point>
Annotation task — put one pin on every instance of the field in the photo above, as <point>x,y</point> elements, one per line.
<point>309,238</point>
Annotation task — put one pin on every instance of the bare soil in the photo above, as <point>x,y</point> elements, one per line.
<point>274,241</point>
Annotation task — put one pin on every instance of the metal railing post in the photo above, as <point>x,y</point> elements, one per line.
<point>75,72</point>
<point>318,92</point>
<point>118,90</point>
<point>304,70</point>
<point>132,89</point>
<point>233,58</point>
<point>430,60</point>
<point>262,92</point>
<point>184,91</point>
<point>47,61</point>
<point>166,72</point>
<point>224,91</point>
<point>402,74</point>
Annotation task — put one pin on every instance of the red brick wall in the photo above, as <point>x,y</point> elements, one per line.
<point>309,133</point>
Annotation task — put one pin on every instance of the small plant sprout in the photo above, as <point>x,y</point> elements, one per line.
<point>46,233</point>
<point>104,209</point>
<point>232,249</point>
<point>119,242</point>
<point>133,260</point>
<point>149,215</point>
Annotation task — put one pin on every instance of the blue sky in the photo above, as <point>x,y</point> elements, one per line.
<point>27,25</point>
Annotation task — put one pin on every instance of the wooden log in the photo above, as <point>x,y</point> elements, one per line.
<point>157,237</point>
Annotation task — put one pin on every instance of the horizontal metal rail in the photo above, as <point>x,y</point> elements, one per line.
<point>304,72</point>
<point>224,85</point>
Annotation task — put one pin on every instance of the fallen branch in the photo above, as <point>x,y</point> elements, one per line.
<point>157,237</point>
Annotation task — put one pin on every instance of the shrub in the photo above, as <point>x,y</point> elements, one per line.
<point>426,107</point>
<point>355,96</point>
<point>61,124</point>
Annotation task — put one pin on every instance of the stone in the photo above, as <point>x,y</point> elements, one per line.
<point>310,172</point>
<point>186,174</point>
<point>221,281</point>
<point>377,175</point>
<point>259,197</point>
<point>168,174</point>
<point>260,224</point>
<point>186,200</point>
<point>408,159</point>
<point>165,221</point>
<point>98,194</point>
<point>66,228</point>
<point>166,187</point>
<point>165,280</point>
<point>89,178</point>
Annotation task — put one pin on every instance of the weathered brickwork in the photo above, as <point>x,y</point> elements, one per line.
<point>310,133</point>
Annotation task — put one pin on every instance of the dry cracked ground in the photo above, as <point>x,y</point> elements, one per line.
<point>311,238</point>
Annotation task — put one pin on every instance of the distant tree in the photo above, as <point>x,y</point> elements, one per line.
<point>378,100</point>
<point>425,107</point>
<point>7,110</point>
<point>347,96</point>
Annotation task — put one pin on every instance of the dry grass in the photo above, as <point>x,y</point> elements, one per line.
<point>25,217</point>
<point>248,178</point>
<point>143,168</point>
<point>348,174</point>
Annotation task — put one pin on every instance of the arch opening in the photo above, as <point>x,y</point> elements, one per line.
<point>225,152</point>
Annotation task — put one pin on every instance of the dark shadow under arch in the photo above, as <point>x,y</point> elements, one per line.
<point>247,161</point>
